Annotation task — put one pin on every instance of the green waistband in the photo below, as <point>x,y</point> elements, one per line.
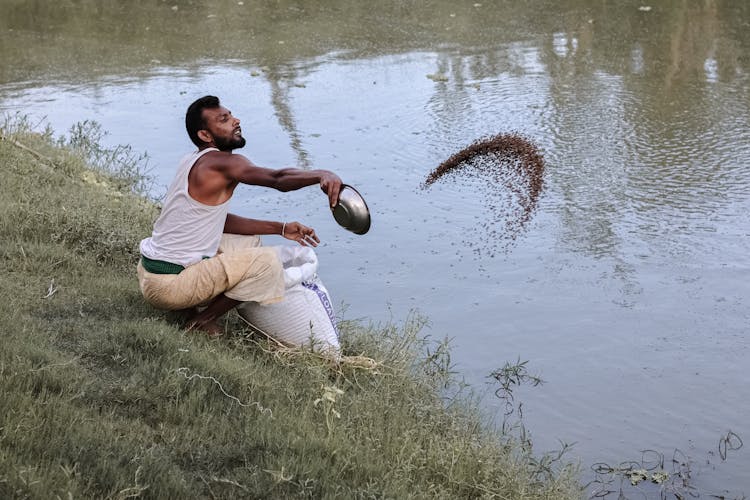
<point>160,266</point>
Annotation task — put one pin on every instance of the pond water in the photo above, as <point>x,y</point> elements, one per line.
<point>628,289</point>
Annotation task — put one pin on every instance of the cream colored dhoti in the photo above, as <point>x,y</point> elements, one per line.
<point>242,270</point>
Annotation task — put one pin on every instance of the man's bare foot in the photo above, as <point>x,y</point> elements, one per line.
<point>210,328</point>
<point>205,320</point>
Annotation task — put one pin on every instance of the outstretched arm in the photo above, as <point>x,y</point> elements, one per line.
<point>289,179</point>
<point>235,168</point>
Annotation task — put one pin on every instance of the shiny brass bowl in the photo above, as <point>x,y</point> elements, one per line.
<point>351,211</point>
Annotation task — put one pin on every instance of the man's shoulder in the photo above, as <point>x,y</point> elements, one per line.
<point>211,159</point>
<point>212,153</point>
<point>215,157</point>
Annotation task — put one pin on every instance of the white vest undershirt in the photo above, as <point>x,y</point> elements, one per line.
<point>186,230</point>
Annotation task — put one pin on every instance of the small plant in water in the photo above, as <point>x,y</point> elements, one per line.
<point>513,375</point>
<point>510,377</point>
<point>649,477</point>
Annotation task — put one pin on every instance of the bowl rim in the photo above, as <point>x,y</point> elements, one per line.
<point>366,223</point>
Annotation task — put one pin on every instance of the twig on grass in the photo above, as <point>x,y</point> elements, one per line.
<point>229,481</point>
<point>283,351</point>
<point>184,372</point>
<point>54,365</point>
<point>279,476</point>
<point>133,491</point>
<point>35,154</point>
<point>210,491</point>
<point>51,290</point>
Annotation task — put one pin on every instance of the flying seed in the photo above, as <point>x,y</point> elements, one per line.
<point>510,169</point>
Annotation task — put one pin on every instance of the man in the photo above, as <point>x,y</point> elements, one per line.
<point>199,253</point>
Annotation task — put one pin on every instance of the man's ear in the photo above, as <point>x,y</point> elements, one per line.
<point>205,136</point>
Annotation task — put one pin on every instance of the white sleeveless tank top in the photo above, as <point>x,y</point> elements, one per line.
<point>186,231</point>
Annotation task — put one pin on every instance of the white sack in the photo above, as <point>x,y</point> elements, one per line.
<point>305,316</point>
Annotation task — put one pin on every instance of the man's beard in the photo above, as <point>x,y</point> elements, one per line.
<point>229,144</point>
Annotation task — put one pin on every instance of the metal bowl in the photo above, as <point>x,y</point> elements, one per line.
<point>351,211</point>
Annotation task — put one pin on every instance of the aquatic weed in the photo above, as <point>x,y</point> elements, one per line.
<point>655,477</point>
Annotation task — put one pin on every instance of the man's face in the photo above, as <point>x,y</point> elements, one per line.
<point>224,128</point>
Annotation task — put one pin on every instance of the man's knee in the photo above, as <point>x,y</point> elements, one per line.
<point>268,263</point>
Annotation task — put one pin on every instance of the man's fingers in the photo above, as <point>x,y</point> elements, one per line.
<point>333,193</point>
<point>312,239</point>
<point>330,183</point>
<point>302,234</point>
<point>308,241</point>
<point>333,197</point>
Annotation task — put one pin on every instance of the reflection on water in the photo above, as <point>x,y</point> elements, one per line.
<point>280,98</point>
<point>628,291</point>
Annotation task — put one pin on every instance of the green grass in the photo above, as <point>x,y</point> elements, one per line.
<point>101,396</point>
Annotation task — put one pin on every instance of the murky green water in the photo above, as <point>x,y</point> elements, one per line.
<point>628,291</point>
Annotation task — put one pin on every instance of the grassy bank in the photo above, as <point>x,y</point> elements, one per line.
<point>103,396</point>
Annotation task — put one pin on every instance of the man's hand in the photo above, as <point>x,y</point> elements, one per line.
<point>330,183</point>
<point>303,235</point>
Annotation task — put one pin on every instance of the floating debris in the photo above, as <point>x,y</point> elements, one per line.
<point>437,77</point>
<point>636,475</point>
<point>659,477</point>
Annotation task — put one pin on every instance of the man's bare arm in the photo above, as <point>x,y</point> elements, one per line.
<point>294,231</point>
<point>235,224</point>
<point>237,168</point>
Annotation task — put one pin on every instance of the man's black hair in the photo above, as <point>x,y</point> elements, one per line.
<point>194,116</point>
